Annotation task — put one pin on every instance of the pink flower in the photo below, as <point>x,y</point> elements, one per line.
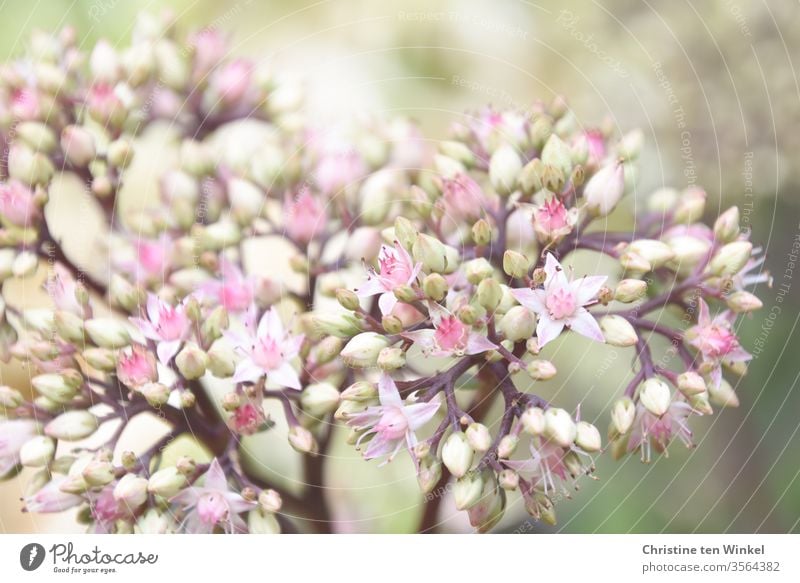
<point>136,366</point>
<point>25,104</point>
<point>305,217</point>
<point>232,80</point>
<point>168,325</point>
<point>464,199</point>
<point>50,498</point>
<point>61,288</point>
<point>13,435</point>
<point>106,510</point>
<point>235,292</point>
<point>395,268</point>
<point>103,102</point>
<point>650,431</point>
<point>268,352</point>
<point>210,47</point>
<point>336,170</point>
<point>547,462</point>
<point>392,423</point>
<point>152,258</point>
<point>561,303</point>
<point>213,504</point>
<point>552,221</point>
<point>247,419</point>
<point>597,147</point>
<point>716,340</point>
<point>450,336</point>
<point>17,205</point>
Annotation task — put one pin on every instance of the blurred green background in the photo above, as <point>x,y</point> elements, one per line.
<point>715,90</point>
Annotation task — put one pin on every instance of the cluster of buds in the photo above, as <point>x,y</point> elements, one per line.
<point>412,258</point>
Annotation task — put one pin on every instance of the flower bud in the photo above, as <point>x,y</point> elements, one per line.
<point>28,166</point>
<point>98,472</point>
<point>457,454</point>
<point>723,395</point>
<point>25,264</point>
<point>37,451</point>
<point>405,232</point>
<point>54,387</point>
<point>690,383</point>
<point>477,270</point>
<point>10,398</point>
<point>37,135</point>
<point>262,523</point>
<point>192,362</point>
<point>467,490</point>
<point>72,426</point>
<point>481,233</point>
<point>341,325</point>
<point>187,399</point>
<point>605,189</point>
<point>690,205</point>
<point>726,227</point>
<point>120,153</point>
<point>630,290</point>
<point>347,299</point>
<point>429,474</point>
<point>107,332</point>
<point>246,200</point>
<point>270,501</point>
<point>319,399</point>
<point>508,443</point>
<point>517,324</point>
<point>515,264</point>
<point>504,168</point>
<point>623,414</point>
<point>155,393</point>
<point>489,294</point>
<point>533,421</point>
<point>743,302</point>
<point>391,358</point>
<point>655,396</point>
<point>360,391</point>
<point>557,153</point>
<point>431,253</point>
<point>221,360</point>
<point>655,252</point>
<point>731,258</point>
<point>435,287</point>
<point>166,482</point>
<point>479,437</point>
<point>69,326</point>
<point>587,437</point>
<point>131,491</point>
<point>559,427</point>
<point>541,370</point>
<point>153,522</point>
<point>302,440</point>
<point>362,350</point>
<point>617,331</point>
<point>634,262</point>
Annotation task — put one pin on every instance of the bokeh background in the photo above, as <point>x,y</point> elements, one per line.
<point>715,89</point>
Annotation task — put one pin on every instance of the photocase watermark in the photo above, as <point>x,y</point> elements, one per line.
<point>740,19</point>
<point>498,96</point>
<point>569,22</point>
<point>66,559</point>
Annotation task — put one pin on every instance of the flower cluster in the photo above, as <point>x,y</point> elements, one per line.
<point>412,257</point>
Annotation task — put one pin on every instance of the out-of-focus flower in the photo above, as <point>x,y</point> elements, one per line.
<point>305,216</point>
<point>212,505</point>
<point>136,366</point>
<point>234,291</point>
<point>17,204</point>
<point>13,435</point>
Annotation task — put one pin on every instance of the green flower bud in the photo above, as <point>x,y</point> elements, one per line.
<point>559,427</point>
<point>655,396</point>
<point>319,399</point>
<point>477,270</point>
<point>391,358</point>
<point>37,451</point>
<point>623,414</point>
<point>533,421</point>
<point>504,168</point>
<point>557,153</point>
<point>515,264</point>
<point>302,440</point>
<point>467,490</point>
<point>479,437</point>
<point>617,331</point>
<point>743,302</point>
<point>72,425</point>
<point>587,437</point>
<point>481,233</point>
<point>166,482</point>
<point>630,290</point>
<point>690,383</point>
<point>517,324</point>
<point>108,332</point>
<point>457,454</point>
<point>362,350</point>
<point>731,258</point>
<point>723,395</point>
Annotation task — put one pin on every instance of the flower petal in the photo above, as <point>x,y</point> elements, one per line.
<point>533,299</point>
<point>419,414</point>
<point>548,329</point>
<point>387,391</point>
<point>387,302</point>
<point>587,288</point>
<point>477,343</point>
<point>285,376</point>
<point>584,324</point>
